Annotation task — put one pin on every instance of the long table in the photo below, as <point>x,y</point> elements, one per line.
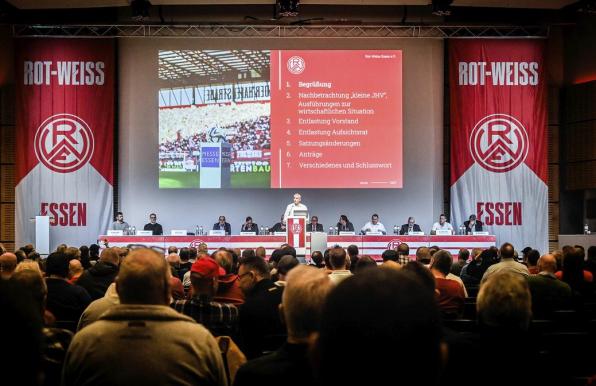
<point>368,245</point>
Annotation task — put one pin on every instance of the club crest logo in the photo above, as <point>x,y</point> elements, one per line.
<point>296,65</point>
<point>64,143</point>
<point>499,143</point>
<point>195,243</point>
<point>393,244</point>
<point>296,228</point>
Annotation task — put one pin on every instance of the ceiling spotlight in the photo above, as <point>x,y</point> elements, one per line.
<point>288,7</point>
<point>442,7</point>
<point>140,9</point>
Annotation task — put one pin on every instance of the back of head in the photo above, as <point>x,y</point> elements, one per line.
<point>533,256</point>
<point>73,253</point>
<point>441,261</point>
<point>8,263</point>
<point>193,252</point>
<point>286,264</point>
<point>256,264</point>
<point>422,273</point>
<point>547,263</point>
<point>303,298</point>
<point>423,255</point>
<point>57,264</point>
<point>261,252</point>
<point>173,249</point>
<point>337,258</point>
<point>504,302</point>
<point>289,250</point>
<point>353,250</point>
<point>93,251</point>
<point>507,251</point>
<point>173,260</point>
<point>573,264</point>
<point>372,312</point>
<point>317,258</point>
<point>184,254</point>
<point>248,253</point>
<point>110,255</point>
<point>224,259</point>
<point>389,255</point>
<point>33,282</point>
<point>463,254</point>
<point>365,262</point>
<point>403,249</point>
<point>144,278</point>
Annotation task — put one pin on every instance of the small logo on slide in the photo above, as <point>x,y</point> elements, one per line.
<point>296,65</point>
<point>393,244</point>
<point>195,243</point>
<point>499,143</point>
<point>64,143</point>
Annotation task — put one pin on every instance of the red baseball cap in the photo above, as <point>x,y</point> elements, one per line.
<point>207,268</point>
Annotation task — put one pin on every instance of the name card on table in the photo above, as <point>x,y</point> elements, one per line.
<point>217,232</point>
<point>248,233</point>
<point>347,233</point>
<point>279,233</point>
<point>377,233</point>
<point>178,232</point>
<point>144,233</point>
<point>483,233</point>
<point>443,232</point>
<point>112,232</point>
<point>416,233</point>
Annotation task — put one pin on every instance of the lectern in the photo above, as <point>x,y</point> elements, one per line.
<point>42,234</point>
<point>296,234</point>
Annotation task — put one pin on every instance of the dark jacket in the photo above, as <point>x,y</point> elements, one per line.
<point>66,301</point>
<point>260,323</point>
<point>155,228</point>
<point>404,229</point>
<point>98,278</point>
<point>477,227</point>
<point>253,228</point>
<point>349,227</point>
<point>318,228</point>
<point>227,226</point>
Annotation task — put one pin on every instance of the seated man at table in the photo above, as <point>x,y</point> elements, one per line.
<point>374,225</point>
<point>411,226</point>
<point>441,225</point>
<point>223,225</point>
<point>314,225</point>
<point>249,226</point>
<point>153,225</point>
<point>120,224</point>
<point>473,225</point>
<point>279,227</point>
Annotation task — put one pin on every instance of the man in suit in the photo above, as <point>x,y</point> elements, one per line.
<point>473,225</point>
<point>279,226</point>
<point>223,225</point>
<point>314,225</point>
<point>250,226</point>
<point>411,226</point>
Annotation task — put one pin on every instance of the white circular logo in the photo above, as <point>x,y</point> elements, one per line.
<point>196,243</point>
<point>296,65</point>
<point>63,143</point>
<point>393,244</point>
<point>499,143</point>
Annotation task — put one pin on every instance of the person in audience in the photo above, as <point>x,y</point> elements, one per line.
<point>548,293</point>
<point>532,257</point>
<point>2,249</point>
<point>302,302</point>
<point>285,265</point>
<point>507,263</point>
<point>462,259</point>
<point>450,293</point>
<point>580,280</point>
<point>423,255</point>
<point>93,253</point>
<point>153,225</point>
<point>185,264</point>
<point>97,278</point>
<point>65,301</point>
<point>524,256</point>
<point>261,252</point>
<point>56,340</point>
<point>344,224</point>
<point>73,253</point>
<point>403,253</point>
<point>28,265</point>
<point>8,263</point>
<point>159,345</point>
<point>389,255</point>
<point>120,224</point>
<point>85,261</point>
<point>472,273</point>
<point>75,270</point>
<point>353,255</point>
<point>364,262</point>
<point>221,224</point>
<point>174,262</point>
<point>409,227</point>
<point>442,224</point>
<point>249,226</point>
<point>218,318</point>
<point>248,253</point>
<point>317,259</point>
<point>279,226</point>
<point>97,307</point>
<point>473,225</point>
<point>22,336</point>
<point>314,225</point>
<point>376,310</point>
<point>259,318</point>
<point>374,225</point>
<point>338,261</point>
<point>591,260</point>
<point>424,275</point>
<point>228,289</point>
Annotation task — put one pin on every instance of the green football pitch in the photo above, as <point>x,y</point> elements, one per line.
<point>173,180</point>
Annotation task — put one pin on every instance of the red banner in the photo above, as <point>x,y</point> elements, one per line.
<point>498,138</point>
<point>65,126</point>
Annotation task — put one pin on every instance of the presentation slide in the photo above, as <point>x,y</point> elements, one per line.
<point>280,119</point>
